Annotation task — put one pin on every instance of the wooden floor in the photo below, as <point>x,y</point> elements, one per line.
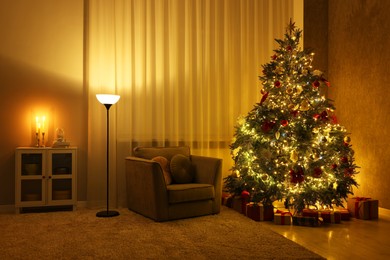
<point>354,239</point>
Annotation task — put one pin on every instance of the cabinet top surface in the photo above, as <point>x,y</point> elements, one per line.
<point>46,148</point>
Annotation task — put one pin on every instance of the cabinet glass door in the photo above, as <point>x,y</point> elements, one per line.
<point>31,178</point>
<point>61,186</point>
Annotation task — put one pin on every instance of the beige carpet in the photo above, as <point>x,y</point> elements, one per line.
<point>81,235</point>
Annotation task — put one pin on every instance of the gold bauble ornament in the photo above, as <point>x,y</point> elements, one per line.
<point>277,135</point>
<point>347,139</point>
<point>294,156</point>
<point>304,106</point>
<point>299,89</point>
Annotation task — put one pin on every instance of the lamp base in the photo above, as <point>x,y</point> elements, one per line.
<point>107,214</point>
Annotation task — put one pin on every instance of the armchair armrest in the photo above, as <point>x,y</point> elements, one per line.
<point>146,188</point>
<point>209,170</point>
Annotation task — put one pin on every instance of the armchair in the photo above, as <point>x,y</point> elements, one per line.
<point>148,193</point>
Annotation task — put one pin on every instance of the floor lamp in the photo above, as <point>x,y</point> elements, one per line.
<point>107,100</point>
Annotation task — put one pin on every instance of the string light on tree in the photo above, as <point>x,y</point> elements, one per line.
<point>289,146</point>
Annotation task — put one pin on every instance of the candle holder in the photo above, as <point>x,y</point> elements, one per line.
<point>37,140</point>
<point>43,140</point>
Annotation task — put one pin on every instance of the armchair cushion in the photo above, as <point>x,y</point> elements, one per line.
<point>179,193</point>
<point>181,169</point>
<point>164,163</point>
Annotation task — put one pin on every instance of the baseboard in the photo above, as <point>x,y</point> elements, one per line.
<point>82,204</point>
<point>7,209</point>
<point>11,208</point>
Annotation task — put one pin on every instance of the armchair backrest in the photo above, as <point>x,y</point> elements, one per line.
<point>167,152</point>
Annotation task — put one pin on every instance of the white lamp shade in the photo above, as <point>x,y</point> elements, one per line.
<point>107,98</point>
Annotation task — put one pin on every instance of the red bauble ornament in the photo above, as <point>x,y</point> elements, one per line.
<point>324,115</point>
<point>316,84</point>
<point>284,122</point>
<point>245,194</point>
<point>277,84</point>
<point>348,172</point>
<point>274,57</point>
<point>296,176</point>
<point>317,172</point>
<point>289,48</point>
<point>334,166</point>
<point>267,126</point>
<point>344,160</point>
<point>295,113</point>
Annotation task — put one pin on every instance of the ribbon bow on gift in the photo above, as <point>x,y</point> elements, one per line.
<point>357,206</point>
<point>283,213</point>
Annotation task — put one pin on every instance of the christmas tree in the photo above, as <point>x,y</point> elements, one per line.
<point>290,146</point>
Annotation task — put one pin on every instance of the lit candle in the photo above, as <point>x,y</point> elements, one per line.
<point>36,124</point>
<point>43,124</point>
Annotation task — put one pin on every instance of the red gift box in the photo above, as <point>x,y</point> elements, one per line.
<point>363,208</point>
<point>310,213</point>
<point>344,214</point>
<point>227,200</point>
<point>259,212</point>
<point>239,202</point>
<point>282,217</point>
<point>306,221</point>
<point>329,216</point>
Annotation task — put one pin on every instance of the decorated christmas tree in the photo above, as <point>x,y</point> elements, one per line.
<point>290,147</point>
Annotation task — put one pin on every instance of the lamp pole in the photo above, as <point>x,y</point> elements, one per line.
<point>107,101</point>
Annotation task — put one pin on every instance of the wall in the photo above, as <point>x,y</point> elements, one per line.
<point>358,71</point>
<point>41,73</point>
<point>358,68</point>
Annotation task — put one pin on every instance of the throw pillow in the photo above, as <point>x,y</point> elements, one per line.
<point>181,169</point>
<point>164,163</point>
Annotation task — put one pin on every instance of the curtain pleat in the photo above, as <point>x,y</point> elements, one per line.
<point>185,69</point>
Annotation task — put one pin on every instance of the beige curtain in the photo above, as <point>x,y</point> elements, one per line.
<point>185,70</point>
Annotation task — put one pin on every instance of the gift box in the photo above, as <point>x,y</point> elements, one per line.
<point>311,213</point>
<point>282,218</point>
<point>239,202</point>
<point>306,221</point>
<point>344,214</point>
<point>363,208</point>
<point>259,212</point>
<point>227,200</point>
<point>330,216</point>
